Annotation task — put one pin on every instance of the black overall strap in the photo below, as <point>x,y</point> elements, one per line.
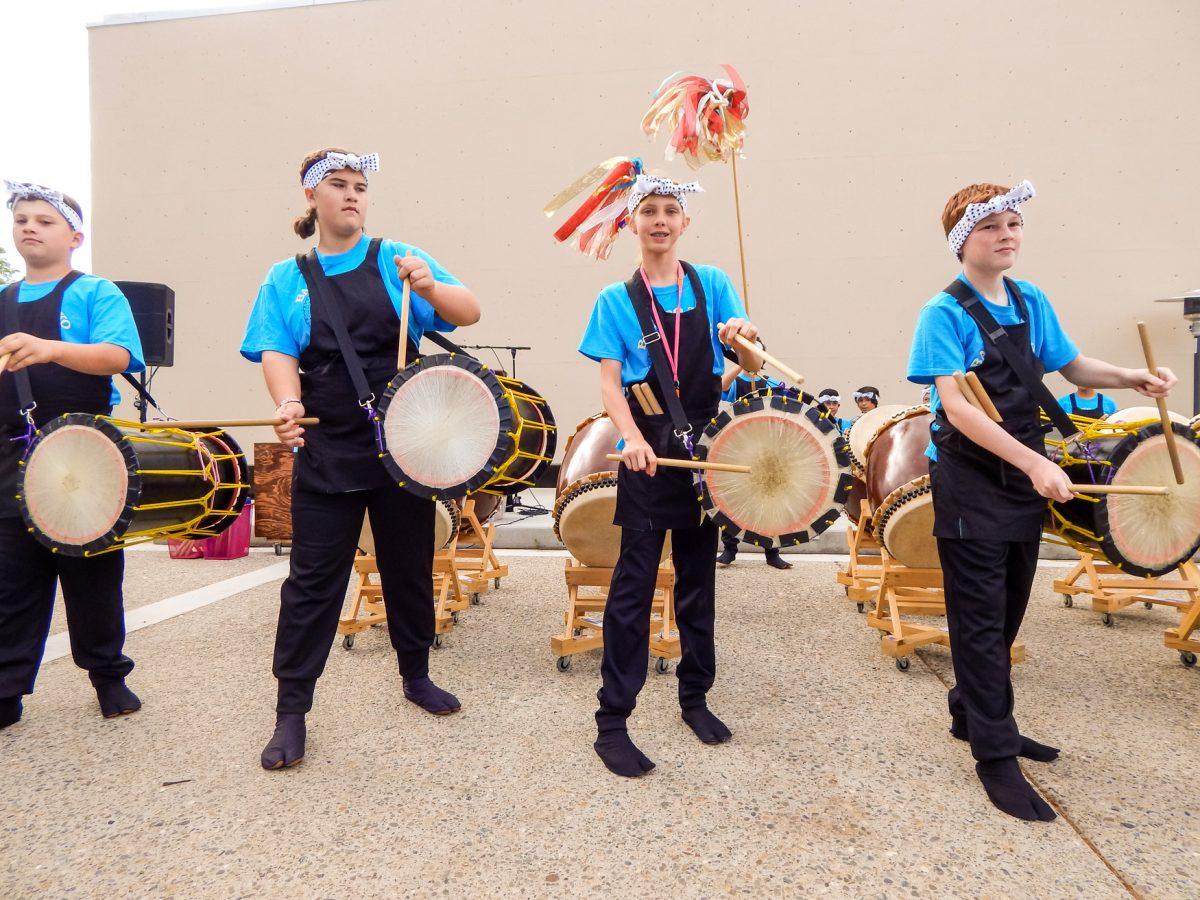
<point>12,326</point>
<point>446,344</point>
<point>1074,404</point>
<point>1002,341</point>
<point>146,396</point>
<point>314,278</point>
<point>641,298</point>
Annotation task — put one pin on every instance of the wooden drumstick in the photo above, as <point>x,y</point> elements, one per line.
<point>691,464</point>
<point>792,375</point>
<point>1142,490</point>
<point>638,391</point>
<point>981,395</point>
<point>966,390</point>
<point>655,406</point>
<point>405,300</point>
<point>200,424</point>
<point>1168,431</point>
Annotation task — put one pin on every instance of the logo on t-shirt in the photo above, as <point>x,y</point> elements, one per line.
<point>63,322</point>
<point>302,296</point>
<point>978,360</point>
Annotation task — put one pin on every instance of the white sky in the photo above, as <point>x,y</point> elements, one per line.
<point>45,132</point>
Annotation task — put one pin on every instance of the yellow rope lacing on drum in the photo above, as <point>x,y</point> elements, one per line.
<point>208,460</point>
<point>1089,430</point>
<point>511,395</point>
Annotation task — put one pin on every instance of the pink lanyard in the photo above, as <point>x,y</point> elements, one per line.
<point>672,357</point>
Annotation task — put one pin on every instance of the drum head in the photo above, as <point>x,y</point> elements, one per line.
<point>864,427</point>
<point>1142,414</point>
<point>75,483</point>
<point>583,521</point>
<point>797,481</point>
<point>1153,535</point>
<point>906,526</point>
<point>444,425</point>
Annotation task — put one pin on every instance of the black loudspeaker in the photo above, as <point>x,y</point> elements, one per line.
<point>153,308</point>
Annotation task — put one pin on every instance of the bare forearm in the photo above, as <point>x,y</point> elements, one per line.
<point>91,359</point>
<point>615,404</point>
<point>455,303</point>
<point>282,374</point>
<point>1084,371</point>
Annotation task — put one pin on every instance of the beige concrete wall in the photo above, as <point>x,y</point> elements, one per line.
<point>864,118</point>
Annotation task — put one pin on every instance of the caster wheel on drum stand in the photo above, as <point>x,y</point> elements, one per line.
<point>1107,619</point>
<point>902,663</point>
<point>1068,601</point>
<point>496,584</point>
<point>437,641</point>
<point>279,549</point>
<point>348,642</point>
<point>861,606</point>
<point>475,599</point>
<point>1148,605</point>
<point>563,663</point>
<point>454,617</point>
<point>662,666</point>
<point>1187,658</point>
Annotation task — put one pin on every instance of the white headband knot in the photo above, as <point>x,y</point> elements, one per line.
<point>975,212</point>
<point>334,162</point>
<point>21,191</point>
<point>652,184</point>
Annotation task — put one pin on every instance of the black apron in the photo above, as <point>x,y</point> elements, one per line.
<point>976,494</point>
<point>1096,412</point>
<point>56,389</point>
<point>341,454</point>
<point>669,499</point>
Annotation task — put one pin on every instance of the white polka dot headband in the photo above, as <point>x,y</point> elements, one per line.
<point>652,184</point>
<point>21,191</point>
<point>975,212</point>
<point>334,162</point>
<point>830,398</point>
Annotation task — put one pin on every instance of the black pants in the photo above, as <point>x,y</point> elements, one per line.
<point>987,590</point>
<point>325,530</point>
<point>627,618</point>
<point>95,614</point>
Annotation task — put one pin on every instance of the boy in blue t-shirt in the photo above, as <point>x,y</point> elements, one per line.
<point>991,480</point>
<point>1087,402</point>
<point>694,310</point>
<point>65,335</point>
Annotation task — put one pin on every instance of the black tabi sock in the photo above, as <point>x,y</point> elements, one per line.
<point>776,561</point>
<point>286,747</point>
<point>10,711</point>
<point>430,697</point>
<point>708,727</point>
<point>620,755</point>
<point>726,557</point>
<point>116,699</point>
<point>1009,791</point>
<point>1030,749</point>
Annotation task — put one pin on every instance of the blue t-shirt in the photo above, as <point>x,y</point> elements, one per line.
<point>759,384</point>
<point>613,331</point>
<point>93,311</point>
<point>947,340</point>
<point>281,319</point>
<point>1108,404</point>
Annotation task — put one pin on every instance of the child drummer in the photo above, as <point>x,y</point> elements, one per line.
<point>350,289</point>
<point>65,335</point>
<point>683,313</point>
<point>991,480</point>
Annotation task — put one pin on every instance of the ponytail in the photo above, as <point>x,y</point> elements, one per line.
<point>306,225</point>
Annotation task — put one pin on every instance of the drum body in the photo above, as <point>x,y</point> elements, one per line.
<point>1141,535</point>
<point>898,491</point>
<point>93,483</point>
<point>863,429</point>
<point>450,426</point>
<point>586,496</point>
<point>799,470</point>
<point>446,523</point>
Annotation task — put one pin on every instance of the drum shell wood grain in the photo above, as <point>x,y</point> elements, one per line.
<point>586,449</point>
<point>897,457</point>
